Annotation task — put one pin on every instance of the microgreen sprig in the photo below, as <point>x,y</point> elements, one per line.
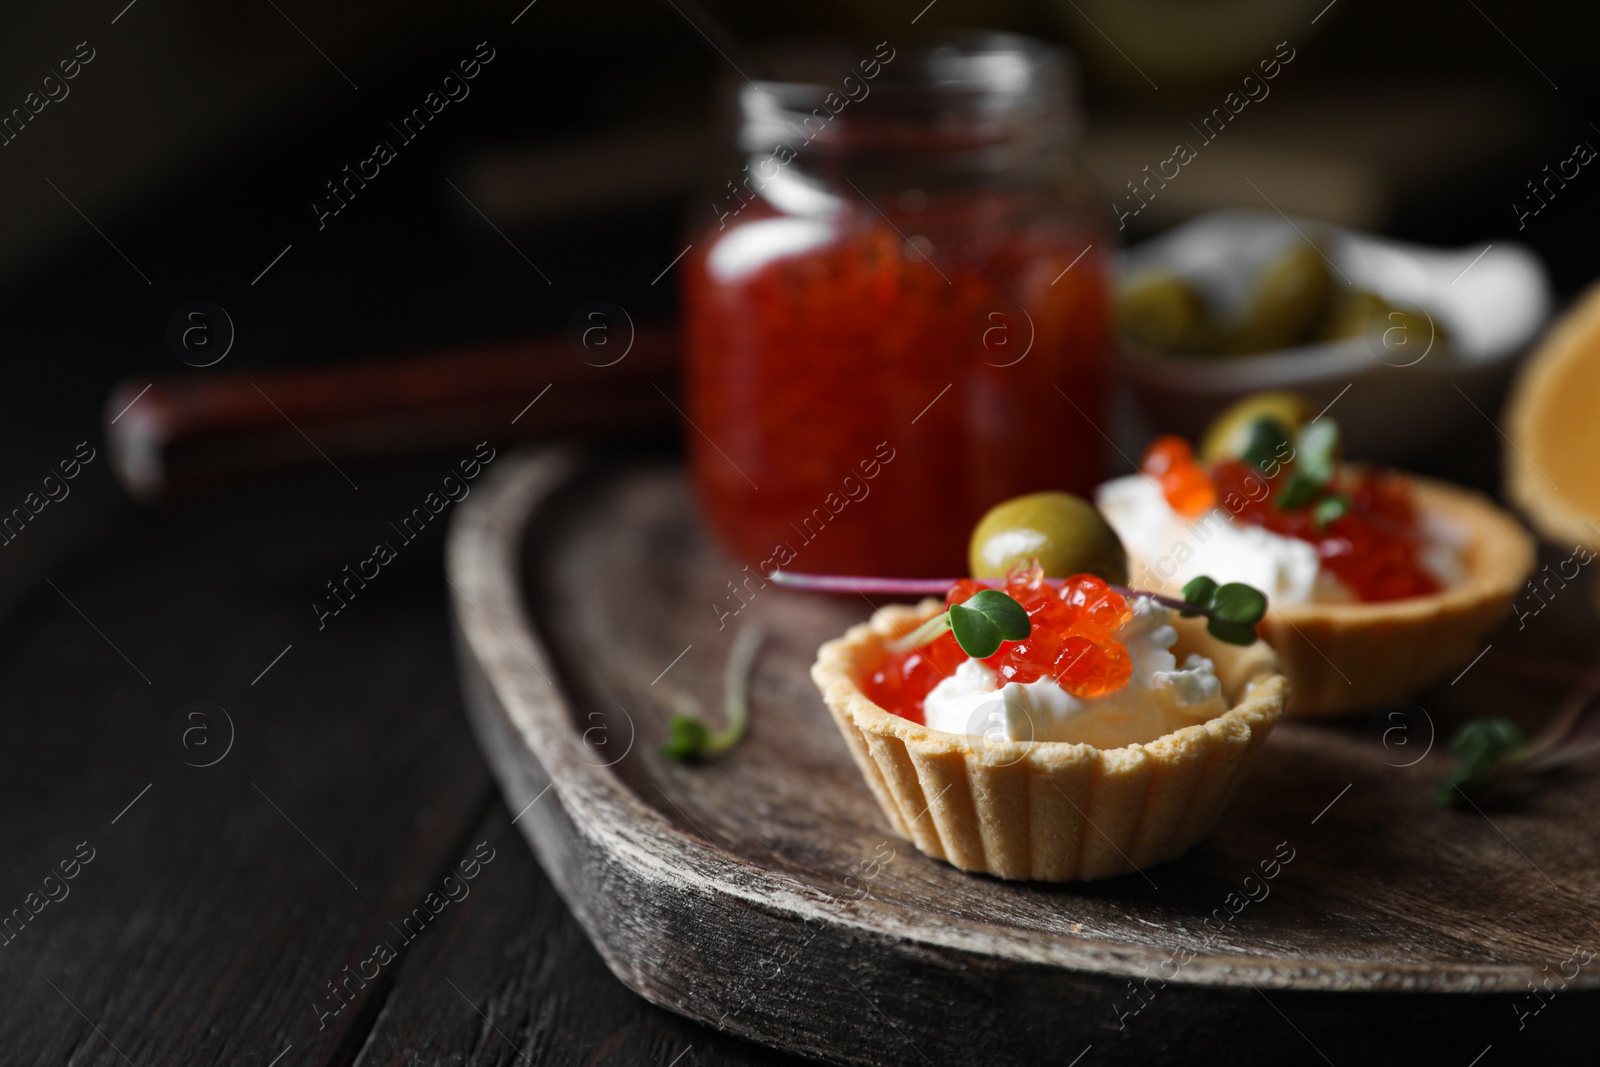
<point>1231,610</point>
<point>1316,462</point>
<point>1496,755</point>
<point>691,739</point>
<point>1486,747</point>
<point>1267,444</point>
<point>1330,508</point>
<point>980,625</point>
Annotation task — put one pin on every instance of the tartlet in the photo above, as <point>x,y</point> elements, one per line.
<point>1043,810</point>
<point>1345,657</point>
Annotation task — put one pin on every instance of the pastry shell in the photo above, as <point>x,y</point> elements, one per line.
<point>1048,810</point>
<point>1348,657</point>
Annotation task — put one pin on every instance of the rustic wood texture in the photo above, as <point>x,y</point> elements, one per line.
<point>206,927</point>
<point>766,895</point>
<point>512,979</point>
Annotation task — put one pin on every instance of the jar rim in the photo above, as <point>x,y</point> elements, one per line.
<point>955,92</point>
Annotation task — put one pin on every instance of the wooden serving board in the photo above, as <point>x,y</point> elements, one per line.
<point>1336,915</point>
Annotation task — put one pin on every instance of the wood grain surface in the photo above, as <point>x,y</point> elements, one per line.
<point>216,908</point>
<point>1336,913</point>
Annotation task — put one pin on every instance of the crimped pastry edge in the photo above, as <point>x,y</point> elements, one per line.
<point>1342,658</point>
<point>1049,811</point>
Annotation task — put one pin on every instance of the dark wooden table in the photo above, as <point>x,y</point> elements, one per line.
<point>221,901</point>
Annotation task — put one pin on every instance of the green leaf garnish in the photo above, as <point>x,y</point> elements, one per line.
<point>1234,633</point>
<point>1330,508</point>
<point>1010,616</point>
<point>975,633</point>
<point>1298,493</point>
<point>1238,602</point>
<point>1199,591</point>
<point>980,624</point>
<point>1235,610</point>
<point>691,740</point>
<point>1231,610</point>
<point>1317,453</point>
<point>1315,464</point>
<point>987,619</point>
<point>1267,441</point>
<point>1485,746</point>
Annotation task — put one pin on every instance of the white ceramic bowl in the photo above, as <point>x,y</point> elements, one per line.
<point>1403,397</point>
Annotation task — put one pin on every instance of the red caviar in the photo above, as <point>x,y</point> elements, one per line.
<point>857,405</point>
<point>1071,643</point>
<point>1374,548</point>
<point>1189,489</point>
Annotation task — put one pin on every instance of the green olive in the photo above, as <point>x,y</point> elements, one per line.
<point>1230,433</point>
<point>1403,332</point>
<point>1063,532</point>
<point>1291,297</point>
<point>1407,333</point>
<point>1351,315</point>
<point>1163,311</point>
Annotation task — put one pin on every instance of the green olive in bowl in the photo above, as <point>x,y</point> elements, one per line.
<point>1291,296</point>
<point>1163,311</point>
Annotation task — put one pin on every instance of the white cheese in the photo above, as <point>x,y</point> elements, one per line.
<point>1176,549</point>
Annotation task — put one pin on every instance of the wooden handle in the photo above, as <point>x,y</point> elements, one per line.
<point>188,432</point>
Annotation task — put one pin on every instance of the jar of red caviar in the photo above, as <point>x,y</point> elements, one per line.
<point>897,311</point>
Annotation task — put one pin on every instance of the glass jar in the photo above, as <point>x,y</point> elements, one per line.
<point>898,312</point>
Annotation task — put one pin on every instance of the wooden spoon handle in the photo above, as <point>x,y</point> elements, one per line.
<point>189,432</point>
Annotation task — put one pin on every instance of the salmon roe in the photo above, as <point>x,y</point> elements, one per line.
<point>1188,487</point>
<point>1375,548</point>
<point>868,392</point>
<point>1071,643</point>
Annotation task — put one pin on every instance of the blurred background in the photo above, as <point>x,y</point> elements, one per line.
<point>188,152</point>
